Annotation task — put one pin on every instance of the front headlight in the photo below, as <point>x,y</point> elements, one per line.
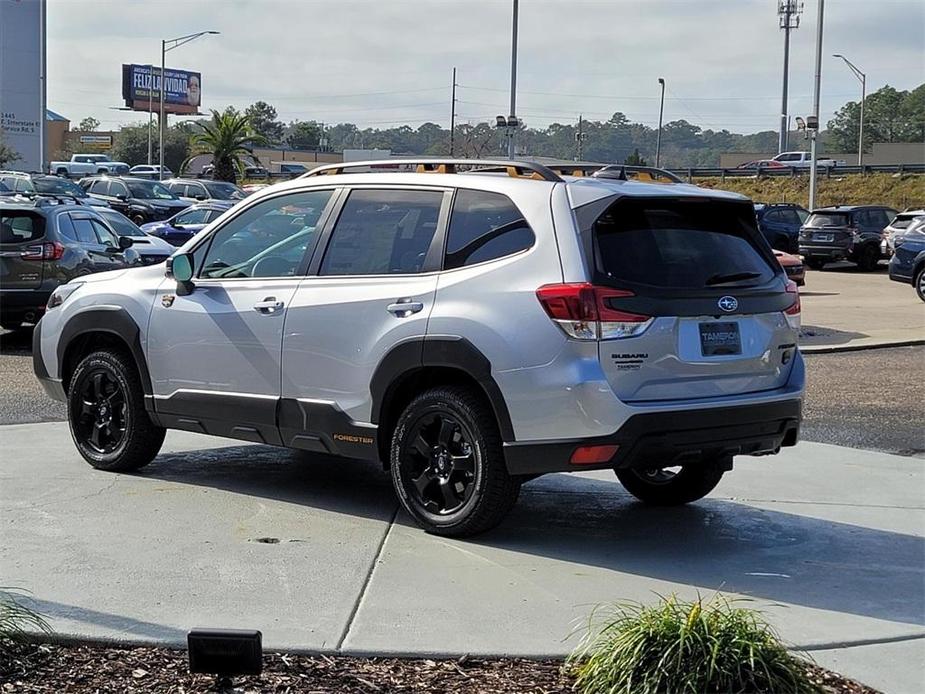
<point>62,294</point>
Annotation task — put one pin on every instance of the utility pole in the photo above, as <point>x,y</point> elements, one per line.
<point>813,124</point>
<point>789,13</point>
<point>580,136</point>
<point>453,116</point>
<point>150,112</point>
<point>658,136</point>
<point>863,78</point>
<point>512,118</point>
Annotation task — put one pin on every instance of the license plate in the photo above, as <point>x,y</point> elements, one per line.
<point>718,339</point>
<point>824,237</point>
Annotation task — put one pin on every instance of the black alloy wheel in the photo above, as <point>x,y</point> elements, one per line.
<point>101,421</point>
<point>439,463</point>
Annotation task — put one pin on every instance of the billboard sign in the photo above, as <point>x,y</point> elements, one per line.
<point>182,89</point>
<point>22,84</point>
<point>95,142</point>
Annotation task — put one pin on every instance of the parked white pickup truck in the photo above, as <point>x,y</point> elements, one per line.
<point>802,160</point>
<point>82,165</point>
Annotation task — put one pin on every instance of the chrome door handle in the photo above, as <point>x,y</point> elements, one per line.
<point>268,306</point>
<point>405,307</point>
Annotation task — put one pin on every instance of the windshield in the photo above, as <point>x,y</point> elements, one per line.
<point>828,219</point>
<point>224,191</point>
<point>58,186</point>
<point>902,221</point>
<point>149,190</point>
<point>122,224</point>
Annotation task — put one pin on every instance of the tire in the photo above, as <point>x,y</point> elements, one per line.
<point>816,263</point>
<point>867,258</point>
<point>665,488</point>
<point>448,466</point>
<point>919,283</point>
<point>105,396</point>
<point>139,219</point>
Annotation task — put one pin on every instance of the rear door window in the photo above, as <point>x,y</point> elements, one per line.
<point>484,226</point>
<point>382,232</point>
<point>679,243</point>
<point>100,187</point>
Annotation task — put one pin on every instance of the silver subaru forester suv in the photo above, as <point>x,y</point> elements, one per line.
<point>471,324</point>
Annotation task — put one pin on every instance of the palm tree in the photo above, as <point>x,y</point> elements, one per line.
<point>227,137</point>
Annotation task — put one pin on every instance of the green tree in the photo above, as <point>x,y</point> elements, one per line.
<point>263,120</point>
<point>304,135</point>
<point>7,154</point>
<point>88,124</point>
<point>228,137</point>
<point>635,159</point>
<point>889,116</point>
<point>131,145</point>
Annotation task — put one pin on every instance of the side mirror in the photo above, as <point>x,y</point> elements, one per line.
<point>121,196</point>
<point>180,268</point>
<point>125,242</point>
<point>200,197</point>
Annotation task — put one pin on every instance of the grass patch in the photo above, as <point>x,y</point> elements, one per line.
<point>678,647</point>
<point>16,619</point>
<point>896,191</point>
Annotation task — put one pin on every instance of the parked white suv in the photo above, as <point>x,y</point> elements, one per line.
<point>470,330</point>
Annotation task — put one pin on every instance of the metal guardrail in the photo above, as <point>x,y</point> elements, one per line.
<point>794,172</point>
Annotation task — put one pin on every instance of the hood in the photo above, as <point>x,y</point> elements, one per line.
<point>94,202</point>
<point>151,245</point>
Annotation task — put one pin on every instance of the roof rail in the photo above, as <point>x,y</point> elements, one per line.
<point>41,199</point>
<point>620,172</point>
<point>516,169</point>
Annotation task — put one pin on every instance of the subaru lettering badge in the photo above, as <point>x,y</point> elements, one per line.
<point>728,304</point>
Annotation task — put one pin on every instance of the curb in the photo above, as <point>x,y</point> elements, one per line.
<point>860,346</point>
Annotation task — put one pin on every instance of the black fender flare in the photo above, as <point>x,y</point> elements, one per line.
<point>114,320</point>
<point>438,351</point>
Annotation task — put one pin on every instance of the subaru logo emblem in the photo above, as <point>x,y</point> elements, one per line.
<point>728,304</point>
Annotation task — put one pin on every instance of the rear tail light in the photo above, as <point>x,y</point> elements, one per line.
<point>581,311</point>
<point>792,313</point>
<point>43,251</point>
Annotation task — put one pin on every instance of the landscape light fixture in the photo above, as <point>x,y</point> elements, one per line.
<point>225,653</point>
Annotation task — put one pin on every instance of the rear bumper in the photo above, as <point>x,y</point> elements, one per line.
<point>671,438</point>
<point>831,252</point>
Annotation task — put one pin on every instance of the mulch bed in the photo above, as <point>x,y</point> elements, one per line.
<point>54,668</point>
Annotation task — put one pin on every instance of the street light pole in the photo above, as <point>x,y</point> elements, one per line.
<point>863,78</point>
<point>661,111</point>
<point>177,42</point>
<point>513,117</point>
<point>814,132</point>
<point>150,111</point>
<point>789,19</point>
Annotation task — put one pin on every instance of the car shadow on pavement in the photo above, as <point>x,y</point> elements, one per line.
<point>713,544</point>
<point>17,341</point>
<point>812,334</point>
<point>106,621</point>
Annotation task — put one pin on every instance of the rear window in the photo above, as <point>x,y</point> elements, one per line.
<point>902,221</point>
<point>828,219</point>
<point>680,244</point>
<point>20,227</point>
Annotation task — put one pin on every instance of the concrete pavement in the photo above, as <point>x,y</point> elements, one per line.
<point>845,309</point>
<point>827,541</point>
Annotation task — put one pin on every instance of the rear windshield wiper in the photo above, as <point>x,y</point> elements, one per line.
<point>731,277</point>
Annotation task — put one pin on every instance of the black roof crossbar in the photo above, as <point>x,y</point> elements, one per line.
<point>516,169</point>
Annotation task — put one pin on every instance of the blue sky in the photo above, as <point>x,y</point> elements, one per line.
<point>387,62</point>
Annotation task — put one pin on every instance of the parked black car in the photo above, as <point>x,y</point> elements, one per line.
<point>849,232</point>
<point>151,250</point>
<point>138,199</point>
<point>780,224</point>
<point>46,184</point>
<point>45,242</point>
<point>908,262</point>
<point>194,190</point>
